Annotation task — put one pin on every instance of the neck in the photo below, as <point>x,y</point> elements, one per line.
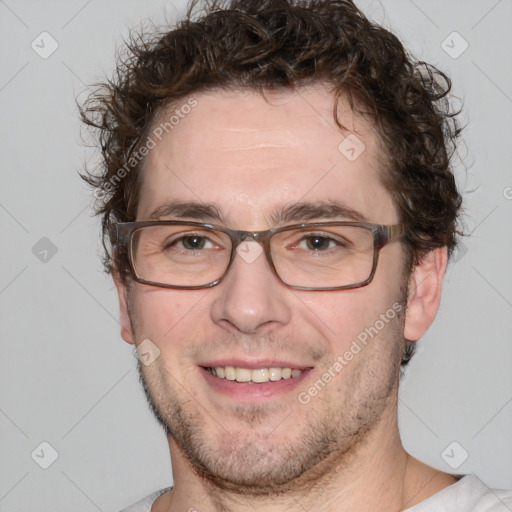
<point>377,475</point>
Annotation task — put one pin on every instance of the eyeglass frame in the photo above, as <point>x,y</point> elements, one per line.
<point>382,234</point>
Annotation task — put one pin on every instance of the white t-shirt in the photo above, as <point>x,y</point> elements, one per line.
<point>469,494</point>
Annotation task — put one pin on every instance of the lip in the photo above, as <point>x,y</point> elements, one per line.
<point>254,364</point>
<point>246,392</point>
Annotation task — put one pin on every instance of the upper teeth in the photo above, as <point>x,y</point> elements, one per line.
<point>257,375</point>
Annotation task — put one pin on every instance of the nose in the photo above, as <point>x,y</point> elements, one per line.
<point>251,299</point>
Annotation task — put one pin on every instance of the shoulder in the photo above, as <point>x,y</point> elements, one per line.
<point>469,494</point>
<point>144,505</point>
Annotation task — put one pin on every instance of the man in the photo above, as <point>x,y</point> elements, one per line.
<point>278,211</point>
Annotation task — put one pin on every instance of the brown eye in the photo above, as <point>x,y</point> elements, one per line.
<point>194,242</point>
<point>318,243</point>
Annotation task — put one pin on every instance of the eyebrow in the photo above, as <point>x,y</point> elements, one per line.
<point>188,210</point>
<point>325,210</point>
<point>294,213</point>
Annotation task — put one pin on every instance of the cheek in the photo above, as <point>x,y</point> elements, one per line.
<point>353,316</point>
<point>345,315</point>
<point>342,315</point>
<point>164,315</point>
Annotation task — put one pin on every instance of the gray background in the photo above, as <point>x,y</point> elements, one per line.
<point>66,376</point>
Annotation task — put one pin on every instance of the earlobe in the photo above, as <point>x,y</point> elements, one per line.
<point>124,310</point>
<point>424,295</point>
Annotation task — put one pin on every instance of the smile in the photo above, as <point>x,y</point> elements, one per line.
<point>256,375</point>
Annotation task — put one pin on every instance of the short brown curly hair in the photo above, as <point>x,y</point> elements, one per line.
<point>272,44</point>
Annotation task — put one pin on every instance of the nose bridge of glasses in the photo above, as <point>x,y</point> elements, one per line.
<point>241,236</point>
<point>261,241</point>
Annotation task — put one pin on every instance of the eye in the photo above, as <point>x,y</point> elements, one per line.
<point>194,242</point>
<point>317,243</point>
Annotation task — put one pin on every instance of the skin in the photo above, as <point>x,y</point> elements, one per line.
<point>342,450</point>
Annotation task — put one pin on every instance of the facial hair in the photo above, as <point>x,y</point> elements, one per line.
<point>248,455</point>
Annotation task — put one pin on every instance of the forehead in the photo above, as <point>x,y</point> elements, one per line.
<point>252,155</point>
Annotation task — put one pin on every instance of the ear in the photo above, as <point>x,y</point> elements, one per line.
<point>124,310</point>
<point>424,295</point>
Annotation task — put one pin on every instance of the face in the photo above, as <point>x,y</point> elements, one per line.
<point>250,160</point>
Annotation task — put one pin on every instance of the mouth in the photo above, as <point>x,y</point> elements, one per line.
<point>252,382</point>
<point>254,375</point>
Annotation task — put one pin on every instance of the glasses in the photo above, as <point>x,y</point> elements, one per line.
<point>192,255</point>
